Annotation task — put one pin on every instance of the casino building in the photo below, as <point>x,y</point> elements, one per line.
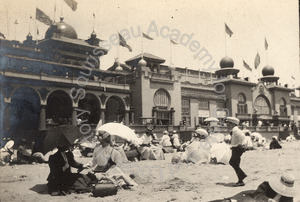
<point>58,80</point>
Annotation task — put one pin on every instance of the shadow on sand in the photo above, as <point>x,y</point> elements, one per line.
<point>244,196</point>
<point>230,184</point>
<point>40,189</point>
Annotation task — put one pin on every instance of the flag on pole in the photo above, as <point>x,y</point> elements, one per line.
<point>147,37</point>
<point>43,17</point>
<point>266,44</point>
<point>123,43</point>
<point>173,42</point>
<point>257,60</point>
<point>72,4</point>
<point>247,66</point>
<point>293,77</point>
<point>228,30</point>
<point>16,22</point>
<point>2,35</point>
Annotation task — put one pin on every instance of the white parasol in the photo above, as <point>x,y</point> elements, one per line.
<point>211,119</point>
<point>119,130</point>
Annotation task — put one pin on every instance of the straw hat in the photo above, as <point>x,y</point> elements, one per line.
<point>233,120</point>
<point>103,134</point>
<point>201,133</point>
<point>285,185</point>
<point>9,144</point>
<point>166,132</point>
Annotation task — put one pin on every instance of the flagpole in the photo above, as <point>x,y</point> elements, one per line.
<point>29,24</point>
<point>94,19</point>
<point>199,76</point>
<point>225,41</point>
<point>61,8</point>
<point>267,57</point>
<point>170,53</point>
<point>7,23</point>
<point>54,11</point>
<point>16,23</point>
<point>118,50</point>
<point>142,43</point>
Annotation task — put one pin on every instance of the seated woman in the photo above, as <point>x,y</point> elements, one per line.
<point>199,150</point>
<point>147,149</point>
<point>165,140</point>
<point>175,140</point>
<point>6,153</point>
<point>274,143</point>
<point>61,180</point>
<point>107,162</point>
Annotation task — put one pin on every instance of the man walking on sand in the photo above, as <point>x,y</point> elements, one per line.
<point>237,147</point>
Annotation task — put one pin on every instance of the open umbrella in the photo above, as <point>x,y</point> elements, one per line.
<point>61,136</point>
<point>211,119</point>
<point>119,130</point>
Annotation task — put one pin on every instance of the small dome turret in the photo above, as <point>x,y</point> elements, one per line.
<point>226,62</point>
<point>268,71</point>
<point>142,62</point>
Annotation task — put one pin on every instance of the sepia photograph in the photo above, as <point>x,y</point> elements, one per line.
<point>144,100</point>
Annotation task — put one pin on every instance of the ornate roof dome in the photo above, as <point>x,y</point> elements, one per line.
<point>268,71</point>
<point>29,36</point>
<point>226,62</point>
<point>142,62</point>
<point>61,29</point>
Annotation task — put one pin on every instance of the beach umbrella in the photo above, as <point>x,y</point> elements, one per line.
<point>61,136</point>
<point>119,130</point>
<point>211,119</point>
<point>222,152</point>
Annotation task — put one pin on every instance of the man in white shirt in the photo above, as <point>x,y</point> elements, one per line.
<point>237,147</point>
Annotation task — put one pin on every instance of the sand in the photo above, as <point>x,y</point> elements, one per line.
<point>161,180</point>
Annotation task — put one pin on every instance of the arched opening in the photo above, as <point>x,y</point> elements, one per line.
<point>161,110</point>
<point>115,110</point>
<point>91,104</point>
<point>24,110</point>
<point>261,105</point>
<point>59,108</point>
<point>242,105</point>
<point>283,108</point>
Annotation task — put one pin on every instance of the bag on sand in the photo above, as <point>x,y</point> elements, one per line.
<point>105,189</point>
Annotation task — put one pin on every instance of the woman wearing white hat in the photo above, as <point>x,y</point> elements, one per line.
<point>277,189</point>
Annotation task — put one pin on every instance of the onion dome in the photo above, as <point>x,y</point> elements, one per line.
<point>226,62</point>
<point>29,37</point>
<point>93,35</point>
<point>268,71</point>
<point>61,29</point>
<point>142,62</point>
<point>119,68</point>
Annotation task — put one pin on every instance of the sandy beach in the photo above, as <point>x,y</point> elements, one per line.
<point>161,180</point>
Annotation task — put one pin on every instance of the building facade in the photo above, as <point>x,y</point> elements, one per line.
<point>58,80</point>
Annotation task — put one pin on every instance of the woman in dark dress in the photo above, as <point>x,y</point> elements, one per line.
<point>61,180</point>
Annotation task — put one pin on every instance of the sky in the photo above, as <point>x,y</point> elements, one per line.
<point>251,22</point>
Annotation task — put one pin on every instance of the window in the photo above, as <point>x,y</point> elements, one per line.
<point>283,109</point>
<point>242,106</point>
<point>185,111</point>
<point>161,99</point>
<point>261,105</point>
<point>204,105</point>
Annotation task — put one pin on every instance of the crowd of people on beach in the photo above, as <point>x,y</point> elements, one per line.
<point>104,174</point>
